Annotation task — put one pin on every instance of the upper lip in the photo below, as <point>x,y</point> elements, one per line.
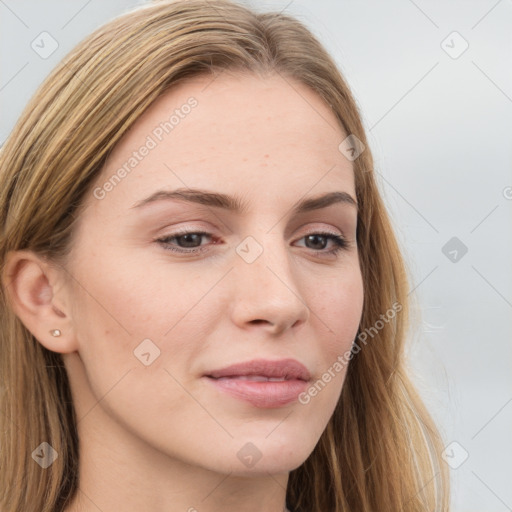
<point>282,368</point>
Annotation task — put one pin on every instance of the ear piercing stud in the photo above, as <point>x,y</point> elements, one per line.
<point>55,332</point>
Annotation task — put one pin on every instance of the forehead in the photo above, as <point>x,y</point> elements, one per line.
<point>271,137</point>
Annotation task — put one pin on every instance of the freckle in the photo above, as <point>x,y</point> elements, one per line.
<point>266,156</point>
<point>244,160</point>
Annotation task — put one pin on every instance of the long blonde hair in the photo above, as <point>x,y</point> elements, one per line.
<point>381,449</point>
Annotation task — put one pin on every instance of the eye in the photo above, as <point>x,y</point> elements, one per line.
<point>190,238</point>
<point>338,241</point>
<point>189,242</point>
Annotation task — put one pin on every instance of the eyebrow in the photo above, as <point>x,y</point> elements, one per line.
<point>235,204</point>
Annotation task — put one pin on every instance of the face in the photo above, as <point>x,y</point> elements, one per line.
<point>157,310</point>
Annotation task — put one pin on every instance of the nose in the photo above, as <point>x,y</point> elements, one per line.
<point>266,292</point>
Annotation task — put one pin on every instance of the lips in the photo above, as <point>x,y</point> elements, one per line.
<point>262,383</point>
<point>255,378</point>
<point>264,370</point>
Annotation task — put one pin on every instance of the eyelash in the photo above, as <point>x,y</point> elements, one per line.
<point>339,241</point>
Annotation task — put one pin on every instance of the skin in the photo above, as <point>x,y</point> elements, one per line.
<point>158,437</point>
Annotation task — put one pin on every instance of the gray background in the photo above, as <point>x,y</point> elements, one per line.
<point>439,124</point>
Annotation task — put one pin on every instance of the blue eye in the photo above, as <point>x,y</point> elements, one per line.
<point>187,242</point>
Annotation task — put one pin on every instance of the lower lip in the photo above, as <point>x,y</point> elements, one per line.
<point>267,394</point>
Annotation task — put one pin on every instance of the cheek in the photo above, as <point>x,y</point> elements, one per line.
<point>126,309</point>
<point>134,335</point>
<point>339,308</point>
<point>112,313</point>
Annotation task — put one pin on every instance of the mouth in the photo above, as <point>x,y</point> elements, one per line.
<point>259,391</point>
<point>264,369</point>
<point>253,378</point>
<point>262,383</point>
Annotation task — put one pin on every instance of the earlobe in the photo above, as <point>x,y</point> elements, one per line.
<point>32,290</point>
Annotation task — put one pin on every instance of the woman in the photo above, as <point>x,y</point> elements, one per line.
<point>204,304</point>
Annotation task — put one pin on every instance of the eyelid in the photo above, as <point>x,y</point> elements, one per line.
<point>339,242</point>
<point>317,227</point>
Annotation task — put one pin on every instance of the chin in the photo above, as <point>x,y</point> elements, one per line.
<point>264,454</point>
<point>264,467</point>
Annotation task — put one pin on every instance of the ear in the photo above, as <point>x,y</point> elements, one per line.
<point>37,293</point>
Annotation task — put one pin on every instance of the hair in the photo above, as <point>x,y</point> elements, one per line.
<point>381,449</point>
